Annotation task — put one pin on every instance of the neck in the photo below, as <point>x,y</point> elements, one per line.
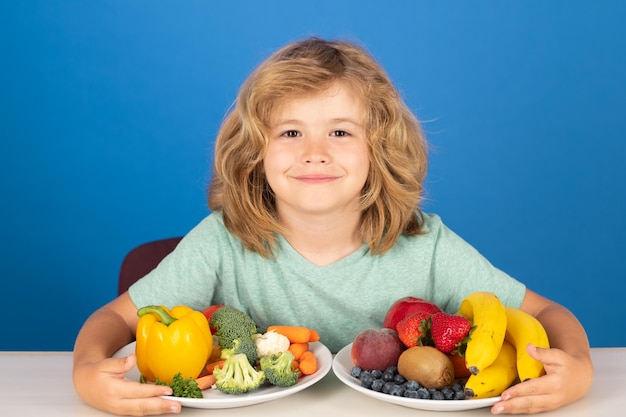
<point>323,240</point>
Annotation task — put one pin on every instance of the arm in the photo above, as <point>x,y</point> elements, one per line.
<point>99,379</point>
<point>569,371</point>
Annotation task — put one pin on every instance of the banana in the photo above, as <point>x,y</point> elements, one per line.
<point>495,378</point>
<point>521,329</point>
<point>488,316</point>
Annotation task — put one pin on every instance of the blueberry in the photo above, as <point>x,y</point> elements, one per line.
<point>393,369</point>
<point>399,379</point>
<point>366,379</point>
<point>376,373</point>
<point>410,393</point>
<point>447,392</point>
<point>396,390</point>
<point>387,387</point>
<point>436,395</point>
<point>377,385</point>
<point>355,371</point>
<point>388,376</point>
<point>412,385</point>
<point>423,393</point>
<point>459,395</point>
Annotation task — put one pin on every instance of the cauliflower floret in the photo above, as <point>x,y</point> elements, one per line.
<point>270,343</point>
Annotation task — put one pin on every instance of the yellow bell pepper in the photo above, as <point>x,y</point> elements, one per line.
<point>169,342</point>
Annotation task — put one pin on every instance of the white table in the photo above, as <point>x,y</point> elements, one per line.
<point>39,384</point>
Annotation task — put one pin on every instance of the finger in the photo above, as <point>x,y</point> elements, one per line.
<point>118,365</point>
<point>547,356</point>
<point>522,405</point>
<point>531,396</point>
<point>135,389</point>
<point>145,399</point>
<point>127,363</point>
<point>537,352</point>
<point>148,407</point>
<point>132,389</point>
<point>524,389</point>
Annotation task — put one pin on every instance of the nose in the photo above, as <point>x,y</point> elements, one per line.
<point>315,151</point>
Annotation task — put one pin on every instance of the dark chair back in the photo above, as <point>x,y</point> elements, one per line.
<point>143,259</point>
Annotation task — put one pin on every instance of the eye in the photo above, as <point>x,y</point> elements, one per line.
<point>339,133</point>
<point>291,134</point>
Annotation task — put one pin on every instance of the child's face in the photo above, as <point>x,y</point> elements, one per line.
<point>317,159</point>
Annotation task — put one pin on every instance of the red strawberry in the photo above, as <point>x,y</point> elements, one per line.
<point>412,329</point>
<point>449,331</point>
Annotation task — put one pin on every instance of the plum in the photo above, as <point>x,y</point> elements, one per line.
<point>376,349</point>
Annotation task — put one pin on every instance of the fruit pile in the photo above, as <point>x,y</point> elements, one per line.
<point>476,353</point>
<point>391,382</point>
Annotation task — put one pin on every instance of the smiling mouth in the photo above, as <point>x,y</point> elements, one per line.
<point>315,179</point>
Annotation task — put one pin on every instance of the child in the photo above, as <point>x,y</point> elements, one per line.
<point>315,221</point>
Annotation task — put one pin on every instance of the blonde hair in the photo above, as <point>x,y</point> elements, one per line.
<point>396,145</point>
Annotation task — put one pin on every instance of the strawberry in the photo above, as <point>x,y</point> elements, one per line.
<point>450,332</point>
<point>413,329</point>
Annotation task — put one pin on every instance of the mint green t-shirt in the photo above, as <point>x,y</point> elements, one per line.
<point>211,266</point>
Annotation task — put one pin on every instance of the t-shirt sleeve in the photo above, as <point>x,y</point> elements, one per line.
<point>187,275</point>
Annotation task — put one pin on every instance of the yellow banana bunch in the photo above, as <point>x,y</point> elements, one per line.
<point>488,316</point>
<point>492,380</point>
<point>521,329</point>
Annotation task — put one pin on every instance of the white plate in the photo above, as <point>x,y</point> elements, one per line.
<point>342,364</point>
<point>214,398</point>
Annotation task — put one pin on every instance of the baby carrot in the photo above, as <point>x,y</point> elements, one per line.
<point>298,348</point>
<point>315,336</point>
<point>210,366</point>
<point>295,334</point>
<point>205,382</point>
<point>308,363</point>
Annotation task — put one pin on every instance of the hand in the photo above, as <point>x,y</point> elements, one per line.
<point>567,379</point>
<point>102,385</point>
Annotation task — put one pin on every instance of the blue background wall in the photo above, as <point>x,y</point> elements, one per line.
<point>108,110</point>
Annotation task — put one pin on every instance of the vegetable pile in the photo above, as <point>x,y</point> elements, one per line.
<point>237,356</point>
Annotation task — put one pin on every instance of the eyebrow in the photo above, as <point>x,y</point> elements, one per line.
<point>335,120</point>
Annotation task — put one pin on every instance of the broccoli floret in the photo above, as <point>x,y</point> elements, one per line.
<point>245,346</point>
<point>237,376</point>
<point>279,369</point>
<point>231,324</point>
<point>183,387</point>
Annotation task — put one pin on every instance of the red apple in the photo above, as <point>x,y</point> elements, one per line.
<point>405,307</point>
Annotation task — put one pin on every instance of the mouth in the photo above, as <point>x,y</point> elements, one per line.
<point>315,178</point>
